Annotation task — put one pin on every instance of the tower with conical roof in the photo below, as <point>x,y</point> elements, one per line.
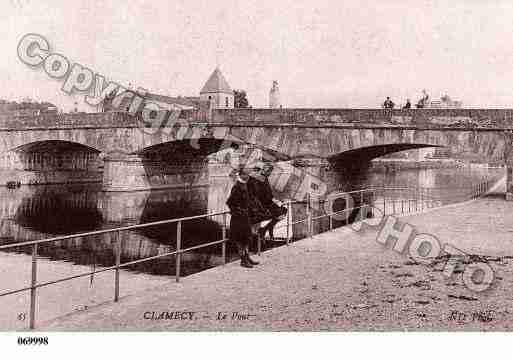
<point>217,92</point>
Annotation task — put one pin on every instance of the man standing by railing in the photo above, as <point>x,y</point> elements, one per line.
<point>266,208</point>
<point>240,225</point>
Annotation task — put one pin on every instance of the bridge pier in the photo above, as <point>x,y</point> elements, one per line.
<point>509,183</point>
<point>133,172</point>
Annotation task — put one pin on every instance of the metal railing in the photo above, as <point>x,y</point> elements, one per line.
<point>372,197</point>
<point>34,284</point>
<point>390,200</point>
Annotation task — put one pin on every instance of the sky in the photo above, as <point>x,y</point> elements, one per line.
<point>335,54</point>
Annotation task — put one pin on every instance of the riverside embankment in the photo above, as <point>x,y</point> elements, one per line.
<point>340,280</point>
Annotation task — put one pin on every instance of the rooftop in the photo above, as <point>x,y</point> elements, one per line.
<point>216,83</point>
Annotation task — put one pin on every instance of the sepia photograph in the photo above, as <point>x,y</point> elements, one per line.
<point>255,166</point>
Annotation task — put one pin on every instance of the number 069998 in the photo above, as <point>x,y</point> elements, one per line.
<point>32,340</point>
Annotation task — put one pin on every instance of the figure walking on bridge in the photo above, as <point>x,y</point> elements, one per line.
<point>240,226</point>
<point>388,104</point>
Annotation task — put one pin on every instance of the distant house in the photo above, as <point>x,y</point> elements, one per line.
<point>444,102</point>
<point>169,102</point>
<point>124,100</point>
<point>27,108</point>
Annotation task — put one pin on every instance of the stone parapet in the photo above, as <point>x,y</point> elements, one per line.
<point>432,118</point>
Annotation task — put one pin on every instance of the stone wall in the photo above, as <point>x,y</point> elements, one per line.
<point>135,173</point>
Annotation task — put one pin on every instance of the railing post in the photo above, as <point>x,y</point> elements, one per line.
<point>33,289</point>
<point>223,245</point>
<point>259,242</point>
<point>118,262</point>
<point>308,215</point>
<point>371,204</point>
<point>178,256</point>
<point>289,214</point>
<point>384,202</point>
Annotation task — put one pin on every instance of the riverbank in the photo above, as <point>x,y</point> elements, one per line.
<point>339,280</point>
<point>386,165</point>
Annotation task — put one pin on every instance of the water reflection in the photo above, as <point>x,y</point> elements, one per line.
<point>446,185</point>
<point>59,210</point>
<point>38,212</point>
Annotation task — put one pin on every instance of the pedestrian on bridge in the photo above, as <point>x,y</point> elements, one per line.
<point>240,226</point>
<point>388,104</point>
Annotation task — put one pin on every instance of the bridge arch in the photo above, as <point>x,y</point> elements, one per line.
<point>370,152</point>
<point>52,161</point>
<point>486,146</point>
<point>205,146</point>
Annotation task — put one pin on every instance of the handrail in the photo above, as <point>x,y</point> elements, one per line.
<point>111,230</point>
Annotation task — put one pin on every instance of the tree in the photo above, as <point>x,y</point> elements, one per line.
<point>241,100</point>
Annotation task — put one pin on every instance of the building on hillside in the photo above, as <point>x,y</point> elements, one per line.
<point>170,103</point>
<point>444,102</point>
<point>27,108</point>
<point>125,99</point>
<point>274,96</point>
<point>217,92</point>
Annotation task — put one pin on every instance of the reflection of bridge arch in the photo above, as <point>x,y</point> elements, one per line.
<point>57,210</point>
<point>39,212</point>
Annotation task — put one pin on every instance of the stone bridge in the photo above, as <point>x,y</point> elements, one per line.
<point>128,152</point>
